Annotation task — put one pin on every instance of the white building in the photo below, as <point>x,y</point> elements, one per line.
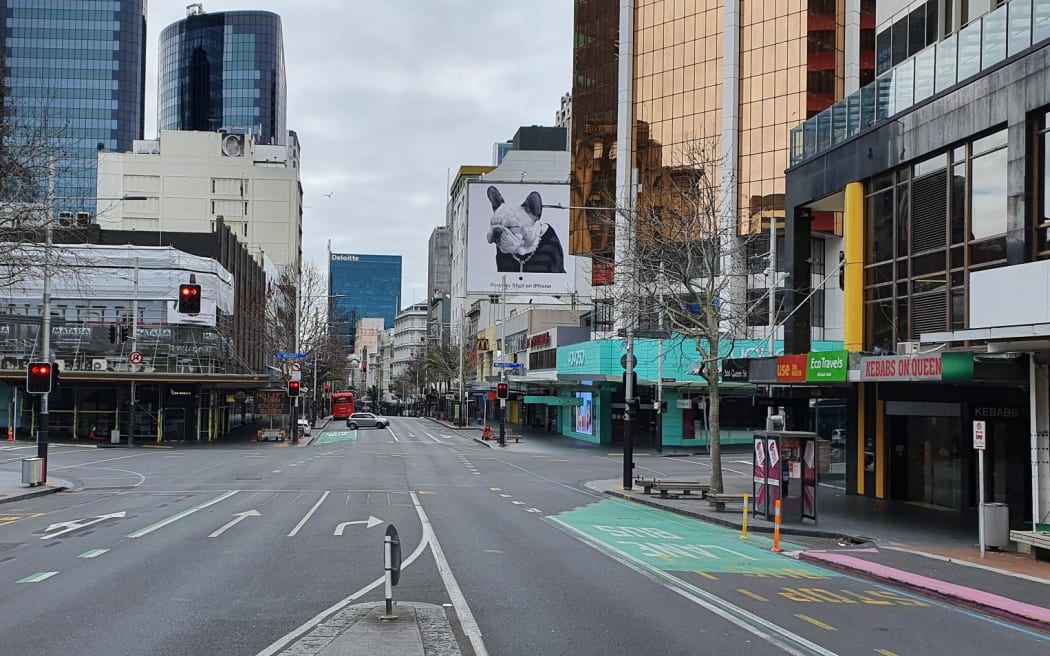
<point>189,179</point>
<point>409,339</point>
<point>366,337</point>
<point>536,166</point>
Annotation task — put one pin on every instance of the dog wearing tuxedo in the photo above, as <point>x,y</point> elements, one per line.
<point>524,244</point>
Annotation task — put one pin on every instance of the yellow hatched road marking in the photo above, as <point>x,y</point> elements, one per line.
<point>748,593</point>
<point>705,575</point>
<point>816,623</point>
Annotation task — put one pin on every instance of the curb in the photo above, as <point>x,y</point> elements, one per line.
<point>728,523</point>
<point>934,590</point>
<point>43,491</point>
<point>482,442</point>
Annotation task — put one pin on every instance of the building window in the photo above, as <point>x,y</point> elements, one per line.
<point>1041,173</point>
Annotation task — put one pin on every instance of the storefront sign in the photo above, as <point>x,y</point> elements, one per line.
<point>553,400</point>
<point>535,341</point>
<point>791,369</point>
<point>935,367</point>
<point>683,404</point>
<point>735,370</point>
<point>577,358</point>
<point>1007,413</point>
<point>829,367</point>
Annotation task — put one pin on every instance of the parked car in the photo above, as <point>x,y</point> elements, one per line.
<point>366,420</point>
<point>304,427</point>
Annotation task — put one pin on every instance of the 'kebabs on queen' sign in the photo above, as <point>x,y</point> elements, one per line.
<point>902,367</point>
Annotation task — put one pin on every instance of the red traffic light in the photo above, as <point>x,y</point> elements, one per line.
<point>41,370</point>
<point>188,291</point>
<point>327,389</point>
<point>190,298</point>
<point>293,388</point>
<point>501,390</point>
<point>39,377</point>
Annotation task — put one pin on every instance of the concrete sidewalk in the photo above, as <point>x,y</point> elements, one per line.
<point>913,549</point>
<point>13,489</point>
<point>420,630</point>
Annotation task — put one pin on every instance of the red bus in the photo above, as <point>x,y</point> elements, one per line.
<point>342,405</point>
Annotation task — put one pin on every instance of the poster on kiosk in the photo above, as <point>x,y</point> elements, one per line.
<point>765,487</point>
<point>785,470</point>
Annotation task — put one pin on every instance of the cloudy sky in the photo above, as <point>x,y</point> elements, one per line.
<point>389,96</point>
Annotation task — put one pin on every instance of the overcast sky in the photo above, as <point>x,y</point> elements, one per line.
<point>388,96</point>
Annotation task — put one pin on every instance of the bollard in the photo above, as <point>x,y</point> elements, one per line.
<point>743,532</point>
<point>776,527</point>
<point>388,579</point>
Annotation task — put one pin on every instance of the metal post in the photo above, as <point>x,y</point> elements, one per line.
<point>134,347</point>
<point>462,405</point>
<point>980,499</point>
<point>772,291</point>
<point>660,396</point>
<point>388,577</point>
<point>628,419</point>
<point>502,359</point>
<point>43,420</point>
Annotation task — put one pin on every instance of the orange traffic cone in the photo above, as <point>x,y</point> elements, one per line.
<point>10,434</point>
<point>486,434</point>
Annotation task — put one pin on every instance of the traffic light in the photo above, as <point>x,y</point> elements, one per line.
<point>190,299</point>
<point>293,388</point>
<point>124,330</point>
<point>501,390</point>
<point>364,368</point>
<point>327,388</point>
<point>39,377</point>
<point>112,334</point>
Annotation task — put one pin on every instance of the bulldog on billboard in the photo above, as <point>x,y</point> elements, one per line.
<point>518,230</point>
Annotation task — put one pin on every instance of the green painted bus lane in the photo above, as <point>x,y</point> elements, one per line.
<point>332,437</point>
<point>673,543</point>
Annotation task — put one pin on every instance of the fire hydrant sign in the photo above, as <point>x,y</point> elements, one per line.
<point>978,435</point>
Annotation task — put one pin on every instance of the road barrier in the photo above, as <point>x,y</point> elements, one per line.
<point>743,526</point>
<point>776,527</point>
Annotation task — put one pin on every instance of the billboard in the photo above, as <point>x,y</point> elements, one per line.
<point>583,414</point>
<point>512,231</point>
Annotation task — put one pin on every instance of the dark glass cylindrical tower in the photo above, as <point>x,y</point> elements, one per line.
<point>224,71</point>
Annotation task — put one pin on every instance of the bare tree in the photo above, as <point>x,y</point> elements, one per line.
<point>688,271</point>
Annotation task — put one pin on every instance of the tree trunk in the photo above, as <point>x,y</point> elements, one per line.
<point>714,427</point>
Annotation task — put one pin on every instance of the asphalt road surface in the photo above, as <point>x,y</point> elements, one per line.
<point>233,549</point>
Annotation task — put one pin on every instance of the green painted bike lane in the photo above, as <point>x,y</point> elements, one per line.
<point>799,607</point>
<point>332,437</point>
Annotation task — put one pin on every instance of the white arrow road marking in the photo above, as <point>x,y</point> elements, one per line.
<point>237,518</point>
<point>369,523</point>
<point>78,524</point>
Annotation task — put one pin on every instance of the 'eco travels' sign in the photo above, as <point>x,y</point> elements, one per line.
<point>828,367</point>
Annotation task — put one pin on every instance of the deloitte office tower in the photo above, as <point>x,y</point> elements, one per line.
<point>363,286</point>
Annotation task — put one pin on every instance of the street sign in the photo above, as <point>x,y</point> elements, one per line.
<point>135,357</point>
<point>509,365</point>
<point>297,374</point>
<point>297,366</point>
<point>667,380</point>
<point>978,435</point>
<point>393,541</point>
<point>240,396</point>
<point>623,360</point>
<point>292,356</point>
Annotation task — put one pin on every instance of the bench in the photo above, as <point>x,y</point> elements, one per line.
<point>718,500</point>
<point>1035,542</point>
<point>685,487</point>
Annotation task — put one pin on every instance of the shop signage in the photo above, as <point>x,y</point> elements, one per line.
<point>577,358</point>
<point>984,412</point>
<point>828,367</point>
<point>554,400</point>
<point>791,369</point>
<point>934,367</point>
<point>542,339</point>
<point>735,370</point>
<point>683,404</point>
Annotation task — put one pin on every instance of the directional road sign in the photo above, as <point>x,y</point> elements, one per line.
<point>292,356</point>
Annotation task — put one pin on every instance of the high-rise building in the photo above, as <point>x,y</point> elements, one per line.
<point>74,84</point>
<point>439,283</point>
<point>224,71</point>
<point>735,75</point>
<point>363,286</point>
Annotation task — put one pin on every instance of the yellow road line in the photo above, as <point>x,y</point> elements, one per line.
<point>705,575</point>
<point>156,446</point>
<point>748,593</point>
<point>885,652</point>
<point>816,623</point>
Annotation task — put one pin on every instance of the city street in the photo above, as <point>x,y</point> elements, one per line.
<point>238,549</point>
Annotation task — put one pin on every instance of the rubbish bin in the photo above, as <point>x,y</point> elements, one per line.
<point>114,436</point>
<point>996,524</point>
<point>32,471</point>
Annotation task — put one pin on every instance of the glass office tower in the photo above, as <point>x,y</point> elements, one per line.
<point>363,286</point>
<point>74,83</point>
<point>224,71</point>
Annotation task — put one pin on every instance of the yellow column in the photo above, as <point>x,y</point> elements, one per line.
<point>853,298</point>
<point>861,400</point>
<point>880,448</point>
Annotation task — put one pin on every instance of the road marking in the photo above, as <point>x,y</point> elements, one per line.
<point>308,515</point>
<point>555,460</point>
<point>459,602</point>
<point>786,640</point>
<point>94,553</point>
<point>75,524</point>
<point>705,575</point>
<point>518,503</point>
<point>392,434</point>
<point>177,516</point>
<point>884,652</point>
<point>37,578</point>
<point>748,593</point>
<point>506,496</point>
<point>276,471</point>
<point>533,510</point>
<point>237,519</point>
<point>95,462</point>
<point>432,437</point>
<point>495,489</point>
<point>369,523</point>
<point>11,519</point>
<point>816,623</point>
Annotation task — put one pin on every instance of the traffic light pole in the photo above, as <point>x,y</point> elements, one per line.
<point>45,325</point>
<point>502,359</point>
<point>628,412</point>
<point>134,347</point>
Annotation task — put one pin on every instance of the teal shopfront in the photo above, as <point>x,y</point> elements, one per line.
<point>591,386</point>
